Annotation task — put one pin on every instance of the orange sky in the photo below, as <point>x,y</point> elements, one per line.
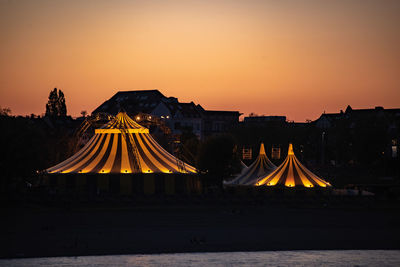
<point>294,58</point>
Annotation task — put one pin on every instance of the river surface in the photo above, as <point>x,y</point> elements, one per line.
<point>268,258</point>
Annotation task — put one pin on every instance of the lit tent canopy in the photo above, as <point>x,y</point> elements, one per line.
<point>122,146</point>
<point>261,166</point>
<point>292,173</point>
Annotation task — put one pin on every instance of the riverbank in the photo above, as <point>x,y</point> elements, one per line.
<point>33,230</point>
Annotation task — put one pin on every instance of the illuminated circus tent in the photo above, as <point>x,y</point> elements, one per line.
<point>261,166</point>
<point>292,173</point>
<point>122,146</point>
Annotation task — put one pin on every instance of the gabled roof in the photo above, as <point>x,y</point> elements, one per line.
<point>187,110</point>
<point>361,112</point>
<point>132,102</point>
<point>372,112</point>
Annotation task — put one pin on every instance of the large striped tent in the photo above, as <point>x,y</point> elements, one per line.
<point>261,166</point>
<point>122,146</point>
<point>291,173</point>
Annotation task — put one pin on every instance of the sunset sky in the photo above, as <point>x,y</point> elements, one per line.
<point>293,58</point>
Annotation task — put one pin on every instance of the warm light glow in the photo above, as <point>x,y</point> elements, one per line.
<point>290,150</point>
<point>285,174</point>
<point>104,131</point>
<point>262,150</point>
<point>104,156</point>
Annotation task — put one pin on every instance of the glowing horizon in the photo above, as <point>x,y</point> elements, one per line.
<point>291,58</point>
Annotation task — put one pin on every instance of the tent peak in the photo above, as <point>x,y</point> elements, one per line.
<point>262,150</point>
<point>122,122</point>
<point>290,151</point>
<point>292,173</point>
<point>121,113</point>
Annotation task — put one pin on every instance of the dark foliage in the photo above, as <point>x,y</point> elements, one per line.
<point>56,106</point>
<point>218,157</point>
<point>30,145</point>
<point>5,111</point>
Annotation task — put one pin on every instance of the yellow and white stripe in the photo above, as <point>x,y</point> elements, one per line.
<point>107,152</point>
<point>291,173</point>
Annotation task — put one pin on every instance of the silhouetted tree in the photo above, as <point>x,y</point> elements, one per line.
<point>5,111</point>
<point>51,106</point>
<point>62,108</point>
<point>29,145</point>
<point>56,106</point>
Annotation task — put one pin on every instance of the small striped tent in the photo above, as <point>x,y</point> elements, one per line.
<point>243,166</point>
<point>261,166</point>
<point>122,146</point>
<point>292,173</point>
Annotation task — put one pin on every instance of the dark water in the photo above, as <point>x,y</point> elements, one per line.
<point>270,258</point>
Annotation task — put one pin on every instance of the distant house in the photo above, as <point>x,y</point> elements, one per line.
<point>216,121</point>
<point>133,102</point>
<point>326,121</point>
<point>354,116</point>
<point>179,117</point>
<point>360,132</point>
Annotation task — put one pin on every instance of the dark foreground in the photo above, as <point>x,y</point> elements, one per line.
<point>116,227</point>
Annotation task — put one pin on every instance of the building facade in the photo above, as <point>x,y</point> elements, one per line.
<point>177,116</point>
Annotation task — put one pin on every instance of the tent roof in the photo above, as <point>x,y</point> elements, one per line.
<point>261,166</point>
<point>122,122</point>
<point>291,173</point>
<point>122,146</point>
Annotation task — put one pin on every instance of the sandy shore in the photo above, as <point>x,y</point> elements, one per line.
<point>35,232</point>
